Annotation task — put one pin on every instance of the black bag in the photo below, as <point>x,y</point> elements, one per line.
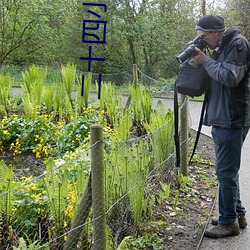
<point>192,80</point>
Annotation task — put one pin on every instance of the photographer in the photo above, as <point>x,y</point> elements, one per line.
<point>228,112</point>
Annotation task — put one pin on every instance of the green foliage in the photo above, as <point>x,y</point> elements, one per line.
<point>161,126</point>
<point>31,31</point>
<point>114,108</point>
<point>164,192</point>
<point>30,245</point>
<point>146,33</point>
<point>184,181</point>
<point>48,98</point>
<point>57,188</point>
<point>68,74</point>
<point>43,137</point>
<point>83,101</point>
<point>126,172</point>
<point>6,184</point>
<point>5,89</point>
<point>147,241</point>
<point>141,103</point>
<point>33,85</point>
<point>123,124</point>
<point>30,206</point>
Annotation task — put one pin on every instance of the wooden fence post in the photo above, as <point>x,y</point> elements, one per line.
<point>80,218</point>
<point>184,135</point>
<point>135,74</point>
<point>135,82</point>
<point>98,194</point>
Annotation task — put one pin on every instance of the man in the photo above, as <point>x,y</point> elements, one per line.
<point>228,112</point>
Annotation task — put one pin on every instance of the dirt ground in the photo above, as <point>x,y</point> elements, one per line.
<point>187,222</point>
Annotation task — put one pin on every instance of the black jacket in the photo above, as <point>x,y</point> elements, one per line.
<point>229,90</point>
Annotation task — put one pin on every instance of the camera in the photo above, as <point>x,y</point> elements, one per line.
<point>190,51</point>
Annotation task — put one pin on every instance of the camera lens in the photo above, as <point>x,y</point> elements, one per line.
<point>187,53</point>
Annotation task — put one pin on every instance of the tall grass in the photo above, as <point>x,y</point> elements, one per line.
<point>83,91</point>
<point>141,106</point>
<point>33,85</point>
<point>6,197</point>
<point>5,90</point>
<point>113,108</point>
<point>161,128</point>
<point>68,74</point>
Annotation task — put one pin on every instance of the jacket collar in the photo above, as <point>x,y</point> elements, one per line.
<point>231,32</point>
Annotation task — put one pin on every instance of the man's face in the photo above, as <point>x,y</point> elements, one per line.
<point>211,38</point>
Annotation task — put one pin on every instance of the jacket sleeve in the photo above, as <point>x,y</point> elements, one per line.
<point>234,66</point>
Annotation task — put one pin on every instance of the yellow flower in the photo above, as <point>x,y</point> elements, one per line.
<point>45,151</point>
<point>38,155</point>
<point>73,199</point>
<point>6,132</point>
<point>16,152</point>
<point>14,209</point>
<point>37,196</point>
<point>31,187</point>
<point>69,211</point>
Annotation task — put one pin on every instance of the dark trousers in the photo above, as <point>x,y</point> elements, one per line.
<point>228,145</point>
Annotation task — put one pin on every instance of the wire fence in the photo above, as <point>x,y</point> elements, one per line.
<point>54,210</point>
<point>160,87</point>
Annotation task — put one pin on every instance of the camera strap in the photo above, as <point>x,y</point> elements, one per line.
<point>199,127</point>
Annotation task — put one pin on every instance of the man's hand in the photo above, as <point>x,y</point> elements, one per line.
<point>200,58</point>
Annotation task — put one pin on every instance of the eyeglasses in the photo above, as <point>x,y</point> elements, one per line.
<point>203,36</point>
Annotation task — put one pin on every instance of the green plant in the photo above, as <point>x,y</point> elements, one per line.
<point>147,241</point>
<point>83,91</point>
<point>48,98</point>
<point>6,196</point>
<point>141,104</point>
<point>22,245</point>
<point>122,127</point>
<point>176,199</point>
<point>164,191</point>
<point>161,128</point>
<point>68,74</point>
<point>30,208</point>
<point>56,187</point>
<point>126,172</point>
<point>33,86</point>
<point>112,108</point>
<point>43,137</point>
<point>5,89</point>
<point>184,181</point>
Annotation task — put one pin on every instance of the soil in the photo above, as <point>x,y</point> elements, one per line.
<point>24,164</point>
<point>186,223</point>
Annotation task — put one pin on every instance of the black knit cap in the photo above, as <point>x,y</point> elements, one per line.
<point>210,23</point>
